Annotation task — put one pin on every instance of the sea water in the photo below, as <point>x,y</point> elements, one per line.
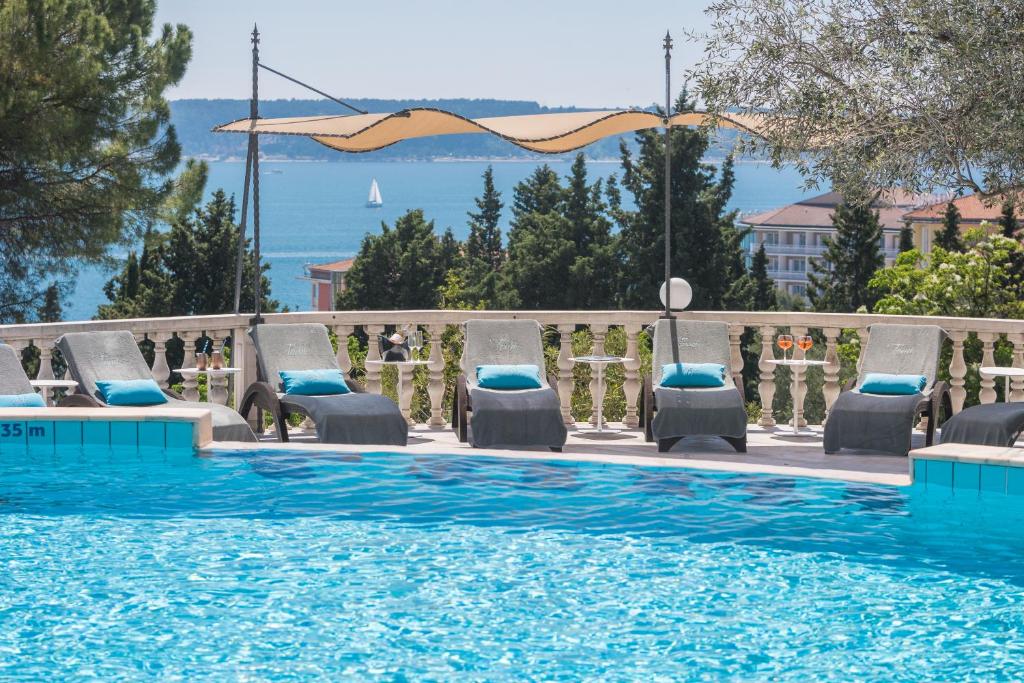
<point>315,212</point>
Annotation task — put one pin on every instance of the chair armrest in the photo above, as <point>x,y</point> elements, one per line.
<point>354,386</point>
<point>738,381</point>
<point>173,394</point>
<point>850,384</point>
<point>261,395</point>
<point>79,401</point>
<point>647,407</point>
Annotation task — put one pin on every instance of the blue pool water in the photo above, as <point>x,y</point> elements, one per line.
<point>292,567</point>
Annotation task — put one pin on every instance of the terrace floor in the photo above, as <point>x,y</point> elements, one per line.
<point>769,451</point>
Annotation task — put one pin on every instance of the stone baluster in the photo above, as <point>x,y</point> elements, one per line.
<point>45,359</point>
<point>830,389</point>
<point>161,371</point>
<point>565,370</point>
<point>373,353</point>
<point>435,382</point>
<point>341,355</point>
<point>957,371</point>
<point>632,384</point>
<point>404,390</point>
<point>597,392</point>
<point>766,387</point>
<point>736,354</point>
<point>798,378</point>
<point>1017,383</point>
<point>217,382</point>
<point>987,394</point>
<point>190,382</point>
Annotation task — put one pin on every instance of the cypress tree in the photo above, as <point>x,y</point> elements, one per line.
<point>701,232</point>
<point>51,311</point>
<point>1008,219</point>
<point>949,236</point>
<point>484,258</point>
<point>764,298</point>
<point>484,241</point>
<point>838,281</point>
<point>906,237</point>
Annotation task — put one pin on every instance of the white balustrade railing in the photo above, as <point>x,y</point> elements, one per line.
<point>561,324</point>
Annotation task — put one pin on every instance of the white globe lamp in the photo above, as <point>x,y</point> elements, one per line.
<point>682,293</point>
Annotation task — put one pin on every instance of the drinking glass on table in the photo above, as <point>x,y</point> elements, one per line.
<point>415,341</point>
<point>785,342</point>
<point>804,343</point>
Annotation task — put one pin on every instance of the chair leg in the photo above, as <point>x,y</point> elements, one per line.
<point>665,445</point>
<point>738,443</point>
<point>555,449</point>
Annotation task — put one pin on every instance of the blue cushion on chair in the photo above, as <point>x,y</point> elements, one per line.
<point>508,377</point>
<point>692,375</point>
<point>30,400</point>
<point>314,382</point>
<point>131,392</point>
<point>892,385</point>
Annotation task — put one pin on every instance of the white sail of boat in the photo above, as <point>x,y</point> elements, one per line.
<point>374,200</point>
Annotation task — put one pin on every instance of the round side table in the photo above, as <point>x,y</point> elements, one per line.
<point>1002,371</point>
<point>48,385</point>
<point>599,363</point>
<point>797,410</point>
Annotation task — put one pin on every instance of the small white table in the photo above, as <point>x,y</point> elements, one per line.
<point>599,363</point>
<point>404,368</point>
<point>797,408</point>
<point>1002,371</point>
<point>48,385</point>
<point>217,383</point>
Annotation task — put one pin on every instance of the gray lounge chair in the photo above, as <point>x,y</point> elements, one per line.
<point>886,423</point>
<point>670,413</point>
<point>13,379</point>
<point>97,356</point>
<point>511,419</point>
<point>354,418</point>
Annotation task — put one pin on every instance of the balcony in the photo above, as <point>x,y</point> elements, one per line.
<point>787,275</point>
<point>790,249</point>
<point>426,401</point>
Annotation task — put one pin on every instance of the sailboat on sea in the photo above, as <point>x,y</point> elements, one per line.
<point>374,201</point>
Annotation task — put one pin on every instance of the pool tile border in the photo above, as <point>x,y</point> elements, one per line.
<point>964,469</point>
<point>43,430</point>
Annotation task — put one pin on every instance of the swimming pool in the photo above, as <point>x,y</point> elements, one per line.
<point>286,566</point>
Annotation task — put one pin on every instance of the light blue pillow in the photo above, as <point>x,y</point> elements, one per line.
<point>508,377</point>
<point>29,400</point>
<point>130,392</point>
<point>314,382</point>
<point>692,375</point>
<point>892,385</point>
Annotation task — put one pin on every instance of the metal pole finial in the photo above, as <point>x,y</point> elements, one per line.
<point>255,35</point>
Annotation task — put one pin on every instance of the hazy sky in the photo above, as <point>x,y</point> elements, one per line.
<point>598,53</point>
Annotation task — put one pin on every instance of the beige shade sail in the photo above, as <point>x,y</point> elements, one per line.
<point>545,133</point>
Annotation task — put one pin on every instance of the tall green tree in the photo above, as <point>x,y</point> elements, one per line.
<point>404,267</point>
<point>189,270</point>
<point>51,310</point>
<point>906,237</point>
<point>839,279</point>
<point>764,298</point>
<point>948,236</point>
<point>703,244</point>
<point>85,140</point>
<point>1008,219</point>
<point>484,255</point>
<point>593,277</point>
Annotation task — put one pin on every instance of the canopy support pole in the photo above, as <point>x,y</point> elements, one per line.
<point>668,175</point>
<point>254,146</point>
<point>240,260</point>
